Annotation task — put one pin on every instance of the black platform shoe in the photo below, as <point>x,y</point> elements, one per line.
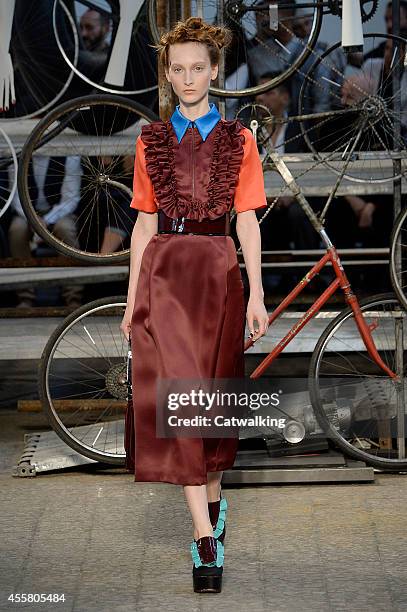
<point>217,515</point>
<point>207,554</point>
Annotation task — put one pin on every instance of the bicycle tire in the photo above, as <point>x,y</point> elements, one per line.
<point>395,280</point>
<point>5,200</point>
<point>43,382</point>
<point>32,144</point>
<point>382,463</point>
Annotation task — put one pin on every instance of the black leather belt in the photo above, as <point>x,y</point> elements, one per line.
<point>211,227</point>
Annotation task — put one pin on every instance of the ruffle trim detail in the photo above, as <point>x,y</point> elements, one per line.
<point>224,172</point>
<point>221,518</point>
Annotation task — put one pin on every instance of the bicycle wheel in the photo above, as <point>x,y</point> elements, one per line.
<point>82,380</point>
<point>254,42</point>
<point>355,401</point>
<point>398,257</point>
<point>357,126</point>
<point>135,73</point>
<point>41,77</point>
<point>89,173</point>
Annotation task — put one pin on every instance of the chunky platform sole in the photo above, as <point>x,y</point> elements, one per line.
<point>207,581</point>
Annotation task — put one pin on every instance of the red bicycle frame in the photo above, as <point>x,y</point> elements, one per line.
<point>341,281</point>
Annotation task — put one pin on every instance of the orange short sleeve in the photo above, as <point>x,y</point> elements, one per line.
<point>143,191</point>
<point>249,193</point>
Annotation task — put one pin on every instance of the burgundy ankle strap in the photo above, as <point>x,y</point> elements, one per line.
<point>207,549</point>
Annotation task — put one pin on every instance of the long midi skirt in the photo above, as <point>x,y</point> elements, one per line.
<point>188,322</point>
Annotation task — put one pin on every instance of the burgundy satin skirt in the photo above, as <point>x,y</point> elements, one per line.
<point>188,322</point>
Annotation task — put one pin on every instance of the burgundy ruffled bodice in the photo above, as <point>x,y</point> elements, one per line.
<point>215,162</point>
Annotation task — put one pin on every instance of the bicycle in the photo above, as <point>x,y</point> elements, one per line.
<point>371,426</point>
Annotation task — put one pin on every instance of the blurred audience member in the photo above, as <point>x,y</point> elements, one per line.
<point>375,78</point>
<point>276,50</point>
<point>56,195</point>
<point>388,18</point>
<point>285,136</point>
<point>287,218</point>
<point>120,218</point>
<point>95,27</point>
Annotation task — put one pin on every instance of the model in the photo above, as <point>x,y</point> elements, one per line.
<point>185,309</point>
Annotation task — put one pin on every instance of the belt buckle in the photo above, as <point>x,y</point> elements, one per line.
<point>178,225</point>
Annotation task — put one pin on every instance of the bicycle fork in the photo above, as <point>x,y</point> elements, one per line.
<point>353,302</point>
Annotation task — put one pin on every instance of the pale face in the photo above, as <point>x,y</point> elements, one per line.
<point>190,69</point>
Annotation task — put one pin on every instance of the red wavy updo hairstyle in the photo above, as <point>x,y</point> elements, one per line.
<point>195,29</point>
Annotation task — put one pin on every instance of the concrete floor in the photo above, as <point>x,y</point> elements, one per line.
<point>110,544</point>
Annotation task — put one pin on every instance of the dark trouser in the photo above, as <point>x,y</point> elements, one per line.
<point>20,234</point>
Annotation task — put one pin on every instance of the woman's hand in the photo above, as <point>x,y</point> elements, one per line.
<point>125,325</point>
<point>256,311</point>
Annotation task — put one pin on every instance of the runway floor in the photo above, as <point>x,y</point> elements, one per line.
<point>109,543</point>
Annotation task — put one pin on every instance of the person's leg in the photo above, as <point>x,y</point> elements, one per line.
<point>197,501</point>
<point>213,486</point>
<point>113,240</point>
<point>19,235</point>
<point>213,490</point>
<point>65,230</point>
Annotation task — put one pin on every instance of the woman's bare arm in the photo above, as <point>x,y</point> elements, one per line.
<point>144,228</point>
<point>248,232</point>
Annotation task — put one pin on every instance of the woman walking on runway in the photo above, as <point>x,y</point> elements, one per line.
<point>185,306</point>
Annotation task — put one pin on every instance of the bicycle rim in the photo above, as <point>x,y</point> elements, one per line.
<point>354,401</point>
<point>398,257</point>
<point>361,139</point>
<point>140,65</point>
<point>82,380</point>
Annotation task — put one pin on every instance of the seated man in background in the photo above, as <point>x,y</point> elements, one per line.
<point>55,194</point>
<point>375,79</point>
<point>289,226</point>
<point>374,213</point>
<point>286,137</point>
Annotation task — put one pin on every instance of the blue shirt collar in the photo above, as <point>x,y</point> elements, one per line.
<point>205,124</point>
